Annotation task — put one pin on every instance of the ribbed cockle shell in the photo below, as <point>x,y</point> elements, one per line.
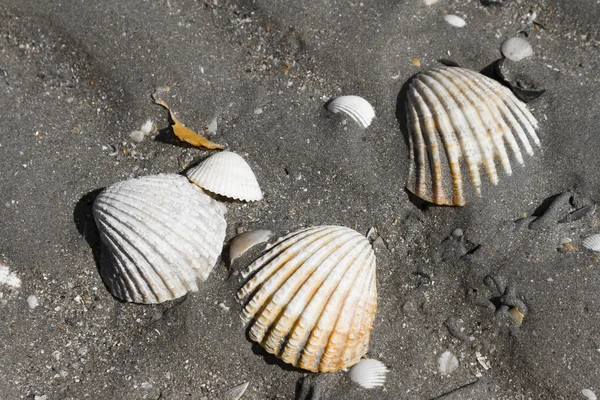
<point>313,298</point>
<point>474,118</point>
<point>160,235</point>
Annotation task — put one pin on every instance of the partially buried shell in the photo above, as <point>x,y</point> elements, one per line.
<point>159,235</point>
<point>226,174</point>
<point>313,298</point>
<point>357,108</point>
<point>475,119</point>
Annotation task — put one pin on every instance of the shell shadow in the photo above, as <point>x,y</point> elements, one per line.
<point>83,219</point>
<point>269,358</point>
<point>403,125</point>
<point>167,136</point>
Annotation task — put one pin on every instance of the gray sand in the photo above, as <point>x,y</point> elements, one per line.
<point>77,77</point>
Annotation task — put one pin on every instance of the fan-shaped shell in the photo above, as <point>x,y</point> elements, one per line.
<point>368,373</point>
<point>592,242</point>
<point>159,235</point>
<point>226,174</point>
<point>474,118</point>
<point>357,108</point>
<point>313,298</point>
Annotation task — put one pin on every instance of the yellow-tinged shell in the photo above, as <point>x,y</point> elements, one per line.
<point>474,118</point>
<point>312,298</point>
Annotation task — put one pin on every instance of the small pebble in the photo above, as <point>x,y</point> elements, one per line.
<point>588,394</point>
<point>258,111</point>
<point>455,20</point>
<point>516,49</point>
<point>32,301</point>
<point>137,136</point>
<point>448,363</point>
<point>212,127</point>
<point>457,232</point>
<point>430,2</point>
<point>44,397</point>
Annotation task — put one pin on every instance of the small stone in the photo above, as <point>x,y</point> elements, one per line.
<point>43,397</point>
<point>32,301</point>
<point>457,232</point>
<point>258,111</point>
<point>430,2</point>
<point>588,394</point>
<point>455,20</point>
<point>516,49</point>
<point>137,136</point>
<point>212,127</point>
<point>146,385</point>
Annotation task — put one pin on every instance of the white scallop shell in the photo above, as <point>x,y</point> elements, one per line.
<point>357,108</point>
<point>159,235</point>
<point>245,241</point>
<point>313,298</point>
<point>227,174</point>
<point>516,49</point>
<point>592,242</point>
<point>368,373</point>
<point>455,20</point>
<point>474,118</point>
<point>447,363</point>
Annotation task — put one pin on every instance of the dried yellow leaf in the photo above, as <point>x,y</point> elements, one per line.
<point>186,134</point>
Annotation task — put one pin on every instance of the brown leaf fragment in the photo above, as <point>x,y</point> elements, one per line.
<point>186,134</point>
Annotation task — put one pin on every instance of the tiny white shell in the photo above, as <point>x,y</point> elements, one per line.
<point>592,242</point>
<point>516,48</point>
<point>430,2</point>
<point>368,373</point>
<point>235,392</point>
<point>227,174</point>
<point>357,108</point>
<point>159,235</point>
<point>9,278</point>
<point>448,363</point>
<point>147,127</point>
<point>455,20</point>
<point>245,241</point>
<point>312,298</point>
<point>588,394</point>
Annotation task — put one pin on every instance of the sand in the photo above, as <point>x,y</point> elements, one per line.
<point>76,78</point>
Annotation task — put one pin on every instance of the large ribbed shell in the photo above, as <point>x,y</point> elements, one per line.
<point>474,118</point>
<point>227,174</point>
<point>313,298</point>
<point>159,235</point>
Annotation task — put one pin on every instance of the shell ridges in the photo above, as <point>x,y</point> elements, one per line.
<point>357,108</point>
<point>312,298</point>
<point>150,253</point>
<point>474,119</point>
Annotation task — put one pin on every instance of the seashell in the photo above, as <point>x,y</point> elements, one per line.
<point>516,48</point>
<point>313,298</point>
<point>516,315</point>
<point>368,373</point>
<point>455,20</point>
<point>245,241</point>
<point>447,363</point>
<point>474,117</point>
<point>9,278</point>
<point>592,242</point>
<point>159,235</point>
<point>357,108</point>
<point>226,174</point>
<point>235,393</point>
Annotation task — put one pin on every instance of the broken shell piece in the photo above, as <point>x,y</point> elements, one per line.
<point>235,392</point>
<point>516,315</point>
<point>368,373</point>
<point>312,298</point>
<point>9,278</point>
<point>592,242</point>
<point>357,108</point>
<point>474,118</point>
<point>159,235</point>
<point>245,241</point>
<point>516,49</point>
<point>447,363</point>
<point>226,174</point>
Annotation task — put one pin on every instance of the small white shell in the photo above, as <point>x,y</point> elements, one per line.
<point>227,174</point>
<point>592,242</point>
<point>368,373</point>
<point>448,363</point>
<point>516,49</point>
<point>357,108</point>
<point>9,278</point>
<point>588,394</point>
<point>235,392</point>
<point>455,20</point>
<point>245,241</point>
<point>159,235</point>
<point>313,298</point>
